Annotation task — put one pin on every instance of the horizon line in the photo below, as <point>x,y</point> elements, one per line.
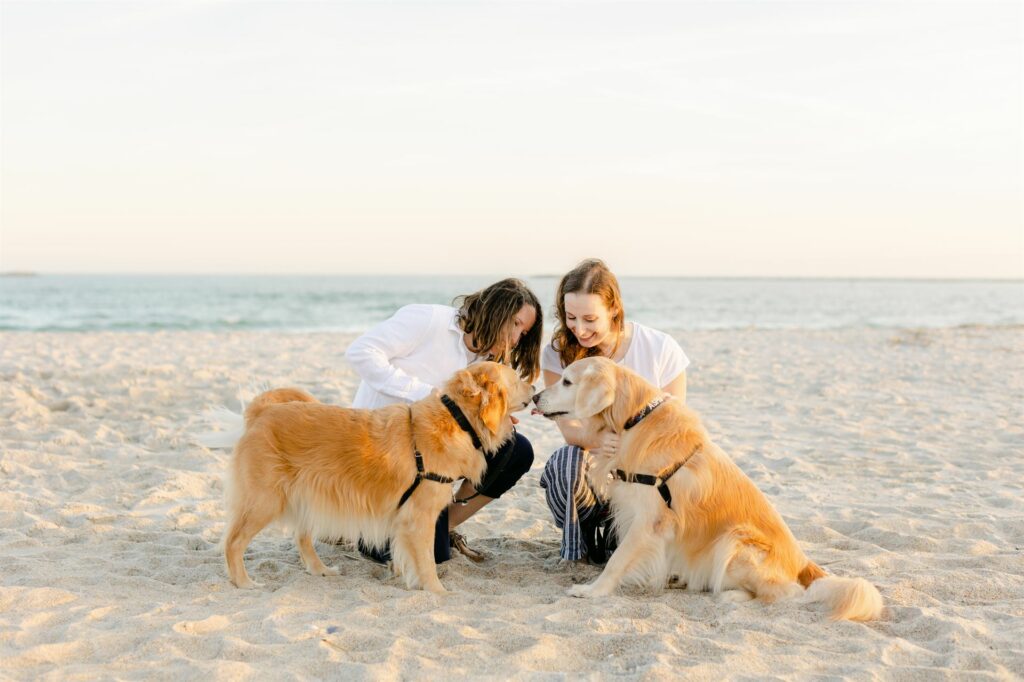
<point>12,274</point>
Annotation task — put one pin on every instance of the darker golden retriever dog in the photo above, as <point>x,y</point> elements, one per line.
<point>332,472</point>
<point>680,505</point>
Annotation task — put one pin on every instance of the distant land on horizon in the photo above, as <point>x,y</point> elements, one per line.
<point>29,273</point>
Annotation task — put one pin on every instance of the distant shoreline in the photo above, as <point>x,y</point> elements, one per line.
<point>406,275</point>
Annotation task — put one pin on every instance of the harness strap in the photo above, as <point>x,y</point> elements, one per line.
<point>420,472</point>
<point>409,490</point>
<point>660,481</point>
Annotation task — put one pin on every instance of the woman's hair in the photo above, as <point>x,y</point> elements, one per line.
<point>488,316</point>
<point>591,276</point>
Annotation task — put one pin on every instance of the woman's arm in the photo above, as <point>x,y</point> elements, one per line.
<point>371,354</point>
<point>677,387</point>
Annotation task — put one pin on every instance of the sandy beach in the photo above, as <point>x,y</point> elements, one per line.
<point>896,455</point>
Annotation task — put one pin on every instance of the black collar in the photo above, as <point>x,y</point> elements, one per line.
<point>461,420</point>
<point>639,416</point>
<point>660,481</point>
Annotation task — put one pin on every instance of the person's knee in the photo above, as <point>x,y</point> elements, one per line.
<point>522,456</point>
<point>519,461</point>
<point>563,456</point>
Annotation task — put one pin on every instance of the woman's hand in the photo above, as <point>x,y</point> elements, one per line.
<point>607,445</point>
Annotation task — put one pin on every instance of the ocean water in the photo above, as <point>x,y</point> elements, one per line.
<point>351,304</point>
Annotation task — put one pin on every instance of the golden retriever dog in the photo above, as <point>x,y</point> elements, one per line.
<point>332,472</point>
<point>705,521</point>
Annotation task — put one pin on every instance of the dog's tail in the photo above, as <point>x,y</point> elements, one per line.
<point>848,598</point>
<point>275,397</point>
<point>228,428</point>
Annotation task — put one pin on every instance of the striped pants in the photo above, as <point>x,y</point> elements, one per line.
<point>570,497</point>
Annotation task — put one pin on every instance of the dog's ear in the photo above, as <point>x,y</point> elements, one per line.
<point>465,384</point>
<point>493,405</point>
<point>596,391</point>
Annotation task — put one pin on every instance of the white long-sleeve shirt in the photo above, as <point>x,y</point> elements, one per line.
<point>405,357</point>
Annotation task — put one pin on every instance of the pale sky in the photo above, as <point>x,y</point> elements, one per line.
<point>859,139</point>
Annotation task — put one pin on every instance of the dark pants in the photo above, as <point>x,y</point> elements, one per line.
<point>510,462</point>
<point>513,460</point>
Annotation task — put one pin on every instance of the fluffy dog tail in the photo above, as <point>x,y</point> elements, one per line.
<point>228,428</point>
<point>275,397</point>
<point>848,598</point>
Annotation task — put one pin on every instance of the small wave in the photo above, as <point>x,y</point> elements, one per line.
<point>320,304</point>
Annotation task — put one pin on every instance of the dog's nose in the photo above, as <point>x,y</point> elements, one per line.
<point>536,397</point>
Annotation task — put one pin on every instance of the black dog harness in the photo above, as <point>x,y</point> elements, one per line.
<point>421,473</point>
<point>660,481</point>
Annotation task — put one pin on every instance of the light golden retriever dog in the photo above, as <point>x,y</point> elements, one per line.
<point>332,472</point>
<point>720,532</point>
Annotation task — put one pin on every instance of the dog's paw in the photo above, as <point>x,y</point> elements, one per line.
<point>675,582</point>
<point>583,591</point>
<point>327,571</point>
<point>248,584</point>
<point>734,596</point>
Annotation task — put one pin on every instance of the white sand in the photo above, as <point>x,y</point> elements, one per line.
<point>894,455</point>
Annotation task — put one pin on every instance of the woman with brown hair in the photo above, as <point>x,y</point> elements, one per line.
<point>592,321</point>
<point>409,355</point>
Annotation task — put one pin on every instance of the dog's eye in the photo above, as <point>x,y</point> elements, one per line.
<point>566,382</point>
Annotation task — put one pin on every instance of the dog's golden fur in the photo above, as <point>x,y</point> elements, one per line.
<point>334,472</point>
<point>721,532</point>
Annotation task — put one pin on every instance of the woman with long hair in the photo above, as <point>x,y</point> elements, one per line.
<point>592,321</point>
<point>411,354</point>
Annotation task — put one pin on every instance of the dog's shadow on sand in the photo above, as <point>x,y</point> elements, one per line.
<point>511,564</point>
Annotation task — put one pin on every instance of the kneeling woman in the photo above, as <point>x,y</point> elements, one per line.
<point>409,355</point>
<point>592,321</point>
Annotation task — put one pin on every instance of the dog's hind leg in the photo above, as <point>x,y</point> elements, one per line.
<point>750,573</point>
<point>310,559</point>
<point>240,532</point>
<point>778,590</point>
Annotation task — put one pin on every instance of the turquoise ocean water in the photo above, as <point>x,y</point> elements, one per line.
<point>351,304</point>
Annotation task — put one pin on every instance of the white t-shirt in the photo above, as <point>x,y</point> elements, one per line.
<point>652,354</point>
<point>407,355</point>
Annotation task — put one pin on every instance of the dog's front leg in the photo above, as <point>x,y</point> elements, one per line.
<point>413,556</point>
<point>642,543</point>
